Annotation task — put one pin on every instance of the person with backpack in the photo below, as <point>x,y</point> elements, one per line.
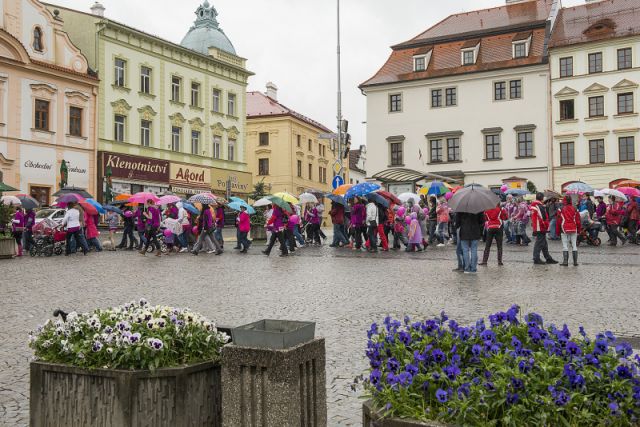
<point>569,226</point>
<point>540,224</point>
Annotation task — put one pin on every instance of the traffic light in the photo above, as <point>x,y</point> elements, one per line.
<point>347,146</point>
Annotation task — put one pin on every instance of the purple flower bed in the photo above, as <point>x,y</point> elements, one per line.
<point>513,371</point>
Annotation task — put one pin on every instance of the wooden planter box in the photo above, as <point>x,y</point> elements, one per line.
<point>178,397</point>
<point>372,417</point>
<point>7,248</point>
<point>258,232</point>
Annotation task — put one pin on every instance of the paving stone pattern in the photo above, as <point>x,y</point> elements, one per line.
<point>342,290</point>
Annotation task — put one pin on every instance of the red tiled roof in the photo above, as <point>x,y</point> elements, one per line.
<point>354,158</point>
<point>260,105</point>
<point>495,29</point>
<point>600,20</point>
<point>510,15</point>
<point>495,53</point>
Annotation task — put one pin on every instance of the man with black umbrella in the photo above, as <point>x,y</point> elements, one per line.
<point>540,223</point>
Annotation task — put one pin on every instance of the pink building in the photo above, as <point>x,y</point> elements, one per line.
<point>47,103</point>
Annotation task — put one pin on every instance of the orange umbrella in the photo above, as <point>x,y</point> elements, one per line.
<point>123,196</point>
<point>342,190</point>
<point>455,189</point>
<point>628,183</point>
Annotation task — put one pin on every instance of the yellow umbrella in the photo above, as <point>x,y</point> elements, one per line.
<point>423,191</point>
<point>342,190</point>
<point>289,198</point>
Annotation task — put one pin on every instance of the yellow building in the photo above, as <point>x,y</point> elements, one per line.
<point>284,148</point>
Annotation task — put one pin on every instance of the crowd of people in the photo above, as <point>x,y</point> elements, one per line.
<point>359,223</point>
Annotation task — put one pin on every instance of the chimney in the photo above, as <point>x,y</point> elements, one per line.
<point>98,9</point>
<point>272,91</point>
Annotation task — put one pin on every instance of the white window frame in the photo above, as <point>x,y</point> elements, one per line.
<point>145,133</point>
<point>195,94</point>
<point>119,129</point>
<point>145,80</point>
<point>175,138</point>
<point>120,72</point>
<point>216,100</point>
<point>216,143</point>
<point>527,47</point>
<point>176,89</point>
<point>231,150</point>
<point>231,104</point>
<point>195,142</point>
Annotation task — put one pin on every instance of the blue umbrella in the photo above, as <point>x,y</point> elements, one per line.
<point>190,208</point>
<point>237,205</point>
<point>376,198</point>
<point>437,188</point>
<point>236,199</point>
<point>337,199</point>
<point>97,205</point>
<point>516,192</point>
<point>361,189</point>
<point>110,208</point>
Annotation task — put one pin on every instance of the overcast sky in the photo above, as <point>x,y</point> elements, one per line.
<point>293,42</point>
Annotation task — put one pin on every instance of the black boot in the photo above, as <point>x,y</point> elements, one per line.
<point>565,259</point>
<point>575,258</point>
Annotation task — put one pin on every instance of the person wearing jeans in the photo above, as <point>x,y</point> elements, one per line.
<point>337,218</point>
<point>74,229</point>
<point>244,226</point>
<point>471,228</point>
<point>153,217</point>
<point>372,224</point>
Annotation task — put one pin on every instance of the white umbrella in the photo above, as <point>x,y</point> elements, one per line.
<point>405,197</point>
<point>308,198</point>
<point>10,201</point>
<point>598,193</point>
<point>262,202</point>
<point>615,193</point>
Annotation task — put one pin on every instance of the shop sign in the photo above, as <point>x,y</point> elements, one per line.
<point>37,166</point>
<point>190,175</point>
<point>239,182</point>
<point>135,168</point>
<point>78,167</point>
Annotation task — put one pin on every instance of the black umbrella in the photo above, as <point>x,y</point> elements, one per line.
<point>473,199</point>
<point>28,202</point>
<point>337,199</point>
<point>376,198</point>
<point>76,190</point>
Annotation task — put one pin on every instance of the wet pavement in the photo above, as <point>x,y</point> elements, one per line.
<point>342,290</point>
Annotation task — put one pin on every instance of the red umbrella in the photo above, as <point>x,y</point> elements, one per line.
<point>389,196</point>
<point>89,208</point>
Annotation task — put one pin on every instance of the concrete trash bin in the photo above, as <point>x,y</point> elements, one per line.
<point>277,386</point>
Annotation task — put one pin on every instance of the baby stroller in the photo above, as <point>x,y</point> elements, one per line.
<point>590,230</point>
<point>48,238</point>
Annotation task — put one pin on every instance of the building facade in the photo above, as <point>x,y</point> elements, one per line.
<point>172,117</point>
<point>595,72</point>
<point>468,99</point>
<point>47,104</point>
<point>284,148</point>
<point>358,165</point>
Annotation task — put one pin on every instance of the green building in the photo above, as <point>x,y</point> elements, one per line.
<point>170,117</point>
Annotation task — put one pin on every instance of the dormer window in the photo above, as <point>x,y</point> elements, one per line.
<point>37,40</point>
<point>519,50</point>
<point>421,59</point>
<point>468,57</point>
<point>521,45</point>
<point>469,52</point>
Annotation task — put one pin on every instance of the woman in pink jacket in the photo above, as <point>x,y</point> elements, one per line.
<point>244,226</point>
<point>91,231</point>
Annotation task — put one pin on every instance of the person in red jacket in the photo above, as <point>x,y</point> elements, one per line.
<point>569,226</point>
<point>540,224</point>
<point>494,218</point>
<point>615,214</point>
<point>633,213</point>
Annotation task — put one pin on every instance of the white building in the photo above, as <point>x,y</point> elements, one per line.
<point>358,165</point>
<point>595,72</point>
<point>467,99</point>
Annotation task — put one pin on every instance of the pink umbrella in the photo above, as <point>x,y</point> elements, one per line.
<point>448,196</point>
<point>168,199</point>
<point>629,191</point>
<point>142,197</point>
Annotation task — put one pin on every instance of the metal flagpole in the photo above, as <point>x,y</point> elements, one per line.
<point>339,94</point>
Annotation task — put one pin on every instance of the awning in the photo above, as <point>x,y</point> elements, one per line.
<point>410,175</point>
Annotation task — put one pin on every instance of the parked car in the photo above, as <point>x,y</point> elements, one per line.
<point>56,215</point>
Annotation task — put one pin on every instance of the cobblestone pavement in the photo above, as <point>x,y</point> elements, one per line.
<point>342,290</point>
